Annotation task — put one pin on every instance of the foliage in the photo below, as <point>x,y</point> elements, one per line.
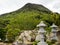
<point>26,18</point>
<point>11,36</point>
<point>49,43</point>
<point>35,43</point>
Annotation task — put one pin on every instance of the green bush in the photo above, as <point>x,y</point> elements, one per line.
<point>12,34</point>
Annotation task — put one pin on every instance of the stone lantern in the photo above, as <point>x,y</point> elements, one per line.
<point>54,31</point>
<point>6,40</point>
<point>40,37</point>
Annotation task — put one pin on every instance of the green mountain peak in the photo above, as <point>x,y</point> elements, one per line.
<point>37,7</point>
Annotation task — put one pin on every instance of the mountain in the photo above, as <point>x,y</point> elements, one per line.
<point>29,7</point>
<point>29,11</point>
<point>26,18</point>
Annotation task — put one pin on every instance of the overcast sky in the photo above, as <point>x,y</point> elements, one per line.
<point>12,5</point>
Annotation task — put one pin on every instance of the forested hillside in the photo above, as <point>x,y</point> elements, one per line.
<point>25,18</point>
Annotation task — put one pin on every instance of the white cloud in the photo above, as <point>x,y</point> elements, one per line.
<point>54,6</point>
<point>11,5</point>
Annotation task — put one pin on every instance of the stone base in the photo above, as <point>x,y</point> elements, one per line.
<point>42,43</point>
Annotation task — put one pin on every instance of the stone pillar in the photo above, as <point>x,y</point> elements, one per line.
<point>40,37</point>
